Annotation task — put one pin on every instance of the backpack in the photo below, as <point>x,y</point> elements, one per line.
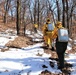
<point>63,35</point>
<point>50,27</point>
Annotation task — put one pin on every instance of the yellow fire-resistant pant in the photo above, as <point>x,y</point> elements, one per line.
<point>48,38</point>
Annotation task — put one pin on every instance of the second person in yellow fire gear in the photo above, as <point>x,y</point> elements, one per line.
<point>47,34</point>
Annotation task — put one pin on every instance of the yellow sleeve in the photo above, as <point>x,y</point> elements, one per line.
<point>55,33</point>
<point>44,28</point>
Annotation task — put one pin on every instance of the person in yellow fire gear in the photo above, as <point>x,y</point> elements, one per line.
<point>60,46</point>
<point>47,35</point>
<point>35,28</point>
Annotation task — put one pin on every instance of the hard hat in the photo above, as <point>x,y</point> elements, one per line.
<point>48,19</point>
<point>59,24</point>
<point>36,25</point>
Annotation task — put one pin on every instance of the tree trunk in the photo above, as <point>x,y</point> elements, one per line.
<point>38,13</point>
<point>35,13</point>
<point>58,10</point>
<point>6,11</point>
<point>63,17</point>
<point>23,20</point>
<point>67,23</point>
<point>18,17</point>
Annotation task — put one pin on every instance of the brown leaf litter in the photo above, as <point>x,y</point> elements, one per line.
<point>19,42</point>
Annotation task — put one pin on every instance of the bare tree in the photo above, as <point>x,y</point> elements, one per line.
<point>18,17</point>
<point>58,10</point>
<point>51,9</point>
<point>63,17</point>
<point>6,7</point>
<point>36,12</point>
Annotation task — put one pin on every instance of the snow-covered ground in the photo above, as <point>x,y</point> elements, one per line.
<point>26,61</point>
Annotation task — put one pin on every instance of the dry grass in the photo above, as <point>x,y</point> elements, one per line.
<point>19,42</point>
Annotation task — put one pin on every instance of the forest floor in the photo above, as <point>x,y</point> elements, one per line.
<point>22,41</point>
